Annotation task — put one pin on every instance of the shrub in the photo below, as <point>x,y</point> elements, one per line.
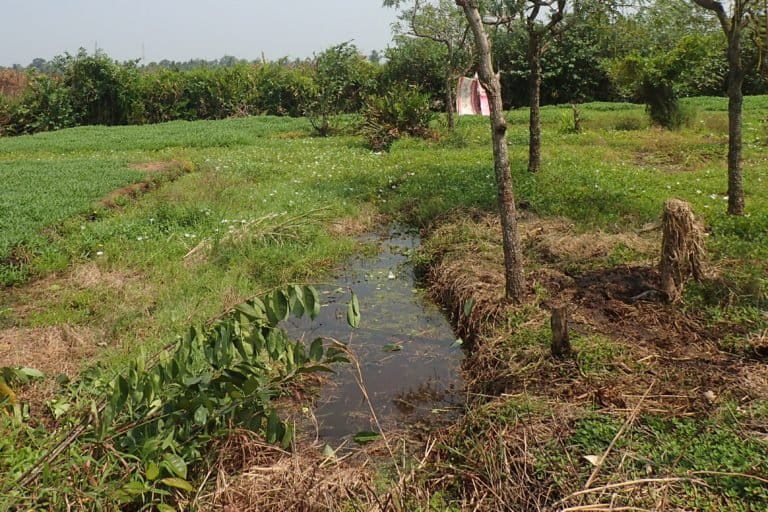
<point>102,91</point>
<point>6,114</point>
<point>282,90</point>
<point>401,111</point>
<point>660,80</point>
<point>45,106</point>
<point>627,123</point>
<point>342,79</point>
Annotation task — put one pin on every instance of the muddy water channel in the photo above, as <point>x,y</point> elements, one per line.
<point>407,350</point>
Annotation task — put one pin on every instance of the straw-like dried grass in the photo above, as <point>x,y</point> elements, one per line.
<point>251,475</point>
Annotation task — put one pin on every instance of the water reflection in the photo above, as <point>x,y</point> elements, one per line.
<point>409,363</point>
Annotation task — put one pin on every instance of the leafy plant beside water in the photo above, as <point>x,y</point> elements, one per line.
<point>145,431</point>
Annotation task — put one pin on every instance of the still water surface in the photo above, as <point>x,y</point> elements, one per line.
<point>407,350</point>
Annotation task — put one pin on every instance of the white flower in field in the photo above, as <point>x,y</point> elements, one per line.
<point>391,275</point>
<point>139,238</point>
<point>713,196</point>
<point>99,253</point>
<point>698,191</point>
<point>725,198</point>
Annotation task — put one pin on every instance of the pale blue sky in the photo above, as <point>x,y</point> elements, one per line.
<point>184,29</point>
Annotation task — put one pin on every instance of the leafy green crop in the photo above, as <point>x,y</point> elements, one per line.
<point>158,415</point>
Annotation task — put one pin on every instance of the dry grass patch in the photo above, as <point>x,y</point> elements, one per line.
<point>255,476</point>
<point>38,296</point>
<point>673,152</point>
<point>624,334</point>
<point>366,220</point>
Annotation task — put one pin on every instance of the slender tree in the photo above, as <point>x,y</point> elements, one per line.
<point>733,19</point>
<point>513,258</point>
<point>542,20</point>
<point>439,21</point>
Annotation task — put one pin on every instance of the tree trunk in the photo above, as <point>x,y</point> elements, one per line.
<point>561,341</point>
<point>449,100</point>
<point>534,84</point>
<point>513,257</point>
<point>735,101</point>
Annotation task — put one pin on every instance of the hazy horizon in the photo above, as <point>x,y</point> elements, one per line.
<point>193,29</point>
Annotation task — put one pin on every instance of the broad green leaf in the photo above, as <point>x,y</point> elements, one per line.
<point>311,301</point>
<point>241,348</point>
<point>316,350</point>
<point>296,294</point>
<point>135,488</point>
<point>201,415</point>
<point>248,310</point>
<point>285,442</point>
<point>175,464</point>
<point>152,472</point>
<point>366,437</point>
<point>353,312</point>
<point>469,305</point>
<point>273,426</point>
<point>31,373</point>
<point>277,305</point>
<point>178,483</point>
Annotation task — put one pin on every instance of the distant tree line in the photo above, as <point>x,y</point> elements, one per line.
<point>598,53</point>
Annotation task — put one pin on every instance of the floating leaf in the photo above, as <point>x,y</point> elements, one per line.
<point>392,347</point>
<point>366,437</point>
<point>353,312</point>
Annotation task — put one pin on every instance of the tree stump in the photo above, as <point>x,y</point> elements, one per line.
<point>561,342</point>
<point>682,248</point>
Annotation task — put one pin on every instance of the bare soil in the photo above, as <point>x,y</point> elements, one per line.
<point>674,347</point>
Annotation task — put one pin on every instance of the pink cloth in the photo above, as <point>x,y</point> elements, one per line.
<point>471,98</point>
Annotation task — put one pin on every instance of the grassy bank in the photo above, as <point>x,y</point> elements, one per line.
<point>264,204</point>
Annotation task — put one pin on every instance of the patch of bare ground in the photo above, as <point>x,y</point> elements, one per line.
<point>467,273</point>
<point>157,173</point>
<point>53,350</point>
